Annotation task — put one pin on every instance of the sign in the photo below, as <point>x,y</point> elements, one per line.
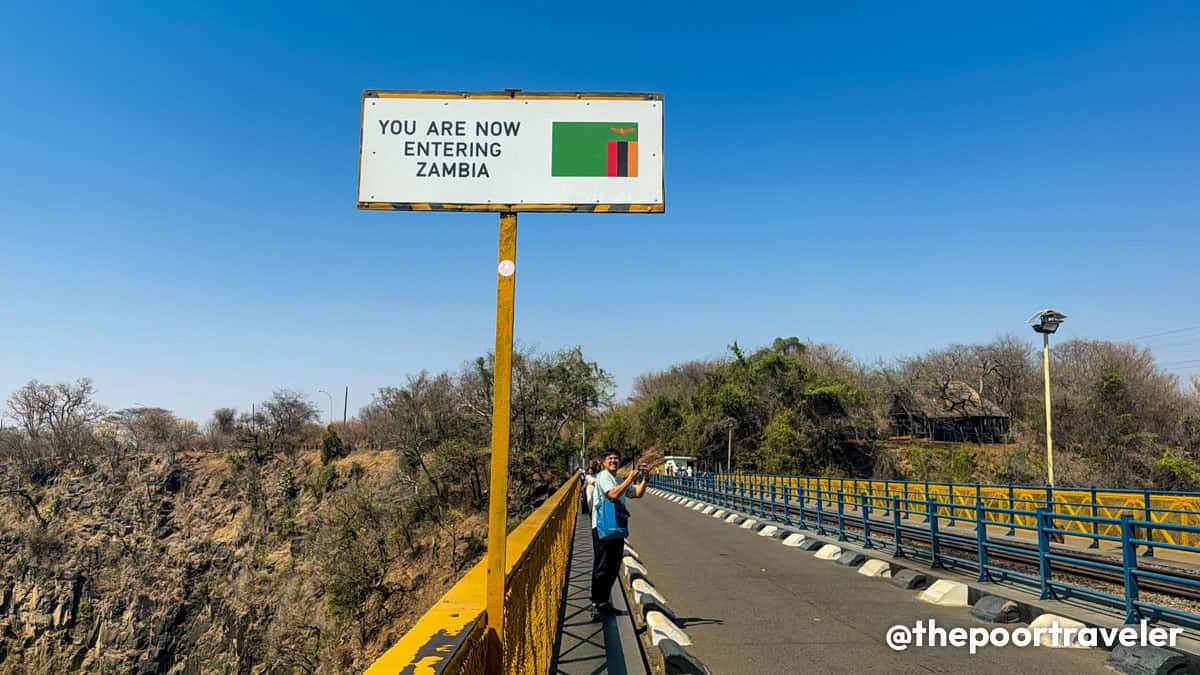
<point>515,151</point>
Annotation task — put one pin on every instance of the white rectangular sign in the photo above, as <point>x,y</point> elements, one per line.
<point>512,152</point>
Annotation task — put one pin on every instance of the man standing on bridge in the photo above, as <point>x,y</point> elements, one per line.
<point>608,554</point>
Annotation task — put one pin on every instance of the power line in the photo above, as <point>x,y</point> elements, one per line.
<point>1165,332</point>
<point>1181,363</point>
<point>1189,342</point>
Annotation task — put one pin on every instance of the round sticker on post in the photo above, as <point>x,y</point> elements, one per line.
<point>507,268</point>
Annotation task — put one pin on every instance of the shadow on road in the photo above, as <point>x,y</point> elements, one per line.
<point>685,621</point>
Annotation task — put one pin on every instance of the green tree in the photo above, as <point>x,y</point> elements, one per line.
<point>331,446</point>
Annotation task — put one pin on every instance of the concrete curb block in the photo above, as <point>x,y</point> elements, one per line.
<point>748,523</point>
<point>768,531</point>
<point>793,539</point>
<point>720,513</point>
<point>630,566</point>
<point>850,558</point>
<point>643,590</point>
<point>1048,640</point>
<point>879,569</point>
<point>707,510</point>
<point>1149,661</point>
<point>632,553</point>
<point>651,604</point>
<point>733,518</point>
<point>677,660</point>
<point>700,505</point>
<point>995,609</point>
<point>911,580</point>
<point>661,628</point>
<point>810,544</point>
<point>828,552</point>
<point>946,593</point>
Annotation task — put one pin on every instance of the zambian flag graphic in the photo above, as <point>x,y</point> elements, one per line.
<point>594,149</point>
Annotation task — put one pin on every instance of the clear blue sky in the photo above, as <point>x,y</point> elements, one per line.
<point>177,187</point>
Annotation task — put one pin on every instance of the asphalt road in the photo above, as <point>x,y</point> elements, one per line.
<point>752,605</point>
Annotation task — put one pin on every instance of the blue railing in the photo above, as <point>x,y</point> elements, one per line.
<point>911,527</point>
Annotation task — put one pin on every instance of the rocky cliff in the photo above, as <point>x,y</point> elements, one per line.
<point>216,564</point>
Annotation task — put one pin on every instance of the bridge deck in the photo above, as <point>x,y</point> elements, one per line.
<point>751,604</point>
<point>586,648</point>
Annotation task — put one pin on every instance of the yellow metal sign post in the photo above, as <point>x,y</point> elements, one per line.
<point>506,283</point>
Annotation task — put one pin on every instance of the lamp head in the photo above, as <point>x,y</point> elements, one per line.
<point>1047,321</point>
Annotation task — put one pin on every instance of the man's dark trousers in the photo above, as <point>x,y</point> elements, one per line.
<point>605,566</point>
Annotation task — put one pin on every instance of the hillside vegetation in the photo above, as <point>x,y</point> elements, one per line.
<point>134,541</point>
<point>795,407</point>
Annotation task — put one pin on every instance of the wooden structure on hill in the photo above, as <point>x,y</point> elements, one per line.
<point>955,413</point>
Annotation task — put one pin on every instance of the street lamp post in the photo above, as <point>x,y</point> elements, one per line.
<point>729,423</point>
<point>322,391</point>
<point>583,444</point>
<point>1046,322</point>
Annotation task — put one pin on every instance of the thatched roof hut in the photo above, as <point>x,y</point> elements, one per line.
<point>955,412</point>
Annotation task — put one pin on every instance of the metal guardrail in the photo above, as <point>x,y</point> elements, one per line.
<point>450,639</point>
<point>1105,506</point>
<point>910,525</point>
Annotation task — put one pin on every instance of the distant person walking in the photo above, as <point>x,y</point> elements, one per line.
<point>589,487</point>
<point>608,553</point>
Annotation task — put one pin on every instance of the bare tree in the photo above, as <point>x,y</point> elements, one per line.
<point>63,414</point>
<point>221,429</point>
<point>155,430</point>
<point>286,416</point>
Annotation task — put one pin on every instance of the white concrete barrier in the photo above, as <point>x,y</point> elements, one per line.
<point>828,552</point>
<point>629,551</point>
<point>632,565</point>
<point>768,531</point>
<point>719,514</point>
<point>749,523</point>
<point>661,629</point>
<point>698,506</point>
<point>732,518</point>
<point>642,590</point>
<point>876,568</point>
<point>946,593</point>
<point>1057,639</point>
<point>707,510</point>
<point>793,539</point>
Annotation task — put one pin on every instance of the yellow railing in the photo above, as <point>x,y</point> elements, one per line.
<point>449,638</point>
<point>959,501</point>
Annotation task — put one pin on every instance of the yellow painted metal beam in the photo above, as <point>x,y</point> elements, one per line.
<point>506,277</point>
